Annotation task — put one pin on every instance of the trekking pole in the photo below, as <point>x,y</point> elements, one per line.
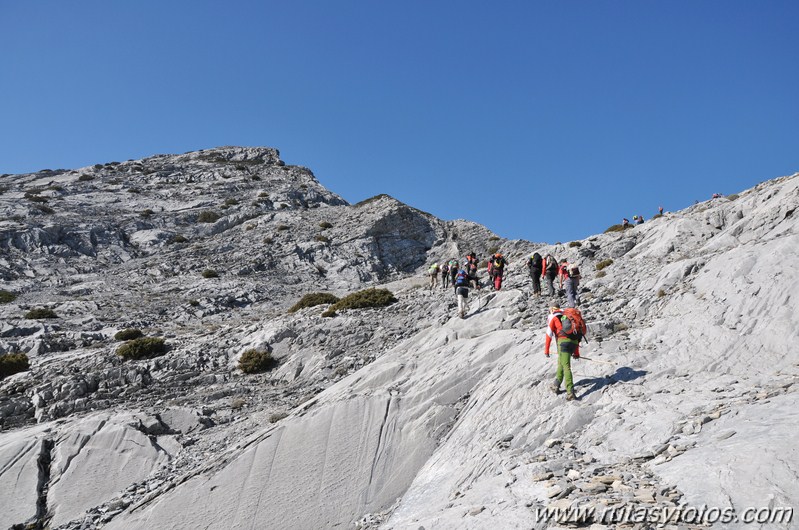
<point>597,360</point>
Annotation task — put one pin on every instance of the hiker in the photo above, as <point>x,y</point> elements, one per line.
<point>462,283</point>
<point>550,272</point>
<point>444,275</point>
<point>496,266</point>
<point>562,272</point>
<point>535,266</point>
<point>640,220</point>
<point>433,272</point>
<point>567,333</point>
<point>625,223</point>
<point>471,265</point>
<point>660,210</point>
<point>571,283</point>
<point>453,270</point>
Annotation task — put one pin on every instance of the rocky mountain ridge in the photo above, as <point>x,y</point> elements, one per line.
<point>397,417</point>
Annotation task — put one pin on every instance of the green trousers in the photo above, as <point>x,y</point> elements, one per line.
<point>565,370</point>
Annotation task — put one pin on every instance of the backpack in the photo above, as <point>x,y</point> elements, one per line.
<point>535,261</point>
<point>552,264</point>
<point>498,263</point>
<point>462,278</point>
<point>573,324</point>
<point>573,271</point>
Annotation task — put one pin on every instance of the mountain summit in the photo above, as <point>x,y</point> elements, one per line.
<point>401,416</point>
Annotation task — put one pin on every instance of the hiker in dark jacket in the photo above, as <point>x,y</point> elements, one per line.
<point>550,272</point>
<point>571,284</point>
<point>535,264</point>
<point>462,283</point>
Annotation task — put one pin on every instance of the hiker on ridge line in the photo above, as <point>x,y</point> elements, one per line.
<point>568,347</point>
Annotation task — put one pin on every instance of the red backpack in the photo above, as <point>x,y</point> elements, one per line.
<point>573,324</point>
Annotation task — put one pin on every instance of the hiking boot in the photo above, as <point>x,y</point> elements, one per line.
<point>570,396</point>
<point>555,388</point>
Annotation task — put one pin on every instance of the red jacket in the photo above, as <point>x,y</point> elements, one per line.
<point>555,330</point>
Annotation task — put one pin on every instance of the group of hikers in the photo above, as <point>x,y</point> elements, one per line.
<point>637,219</point>
<point>566,326</point>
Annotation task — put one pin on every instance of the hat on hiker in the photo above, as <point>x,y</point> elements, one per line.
<point>554,309</point>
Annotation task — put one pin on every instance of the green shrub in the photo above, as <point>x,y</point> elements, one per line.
<point>732,197</point>
<point>34,198</point>
<point>40,313</point>
<point>128,334</point>
<point>661,293</point>
<point>210,273</point>
<point>281,228</point>
<point>268,241</point>
<point>231,202</point>
<point>329,312</point>
<point>614,228</point>
<point>604,263</point>
<point>254,361</point>
<point>493,238</point>
<point>208,217</point>
<point>7,296</point>
<point>321,238</point>
<point>147,213</point>
<point>249,227</point>
<point>312,300</point>
<point>575,244</point>
<point>277,416</point>
<point>177,238</point>
<point>13,363</point>
<point>263,195</point>
<point>194,303</point>
<point>600,274</point>
<point>85,178</point>
<point>324,225</point>
<point>366,298</point>
<point>142,348</point>
<point>238,403</point>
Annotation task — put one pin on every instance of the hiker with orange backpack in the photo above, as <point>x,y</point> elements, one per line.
<point>567,327</point>
<point>496,267</point>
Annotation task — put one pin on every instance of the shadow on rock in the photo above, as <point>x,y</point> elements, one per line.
<point>622,375</point>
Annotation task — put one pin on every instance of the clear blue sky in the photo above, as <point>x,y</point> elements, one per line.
<point>547,121</point>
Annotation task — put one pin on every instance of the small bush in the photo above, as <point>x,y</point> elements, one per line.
<point>575,244</point>
<point>366,298</point>
<point>238,403</point>
<point>661,293</point>
<point>614,228</point>
<point>732,197</point>
<point>40,313</point>
<point>210,273</point>
<point>13,363</point>
<point>268,241</point>
<point>321,238</point>
<point>324,225</point>
<point>85,178</point>
<point>128,334</point>
<point>281,228</point>
<point>147,213</point>
<point>7,297</point>
<point>493,250</point>
<point>254,361</point>
<point>194,303</point>
<point>621,326</point>
<point>208,217</point>
<point>231,202</point>
<point>493,238</point>
<point>177,238</point>
<point>600,274</point>
<point>35,198</point>
<point>312,300</point>
<point>142,348</point>
<point>134,190</point>
<point>277,416</point>
<point>604,263</point>
<point>249,227</point>
<point>263,195</point>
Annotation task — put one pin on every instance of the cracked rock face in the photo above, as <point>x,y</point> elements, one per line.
<point>394,417</point>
